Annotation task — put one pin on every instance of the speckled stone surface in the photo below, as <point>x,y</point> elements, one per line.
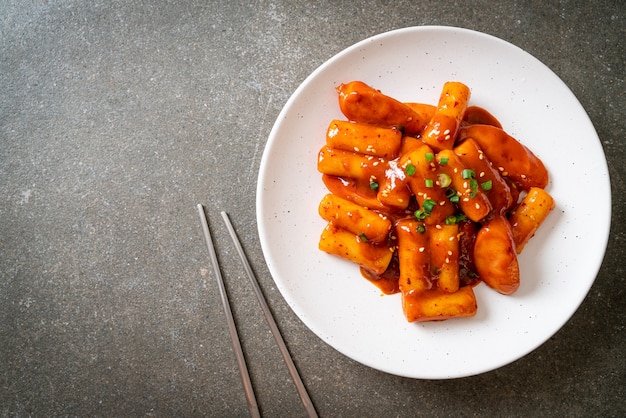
<point>117,118</point>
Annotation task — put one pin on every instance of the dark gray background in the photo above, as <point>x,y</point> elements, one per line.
<point>118,117</point>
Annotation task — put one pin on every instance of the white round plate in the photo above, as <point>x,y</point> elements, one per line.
<point>558,266</point>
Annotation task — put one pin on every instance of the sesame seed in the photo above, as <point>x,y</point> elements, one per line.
<point>446,132</point>
<point>447,260</point>
<point>438,226</point>
<point>356,149</point>
<point>482,174</point>
<point>505,173</point>
<point>449,252</point>
<point>477,206</point>
<point>375,163</point>
<point>523,176</point>
<point>466,199</point>
<point>421,249</point>
<point>501,168</point>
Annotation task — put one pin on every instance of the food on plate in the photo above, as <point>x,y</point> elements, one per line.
<point>529,214</point>
<point>362,103</point>
<point>443,127</point>
<point>495,256</point>
<point>429,200</point>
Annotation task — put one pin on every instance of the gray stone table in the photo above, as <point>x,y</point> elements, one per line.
<point>118,117</point>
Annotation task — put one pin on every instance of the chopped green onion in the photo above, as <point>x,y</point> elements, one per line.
<point>373,185</point>
<point>421,228</point>
<point>363,237</point>
<point>429,205</point>
<point>444,179</point>
<point>468,173</point>
<point>452,196</point>
<point>473,187</point>
<point>455,219</point>
<point>410,169</point>
<point>443,161</point>
<point>428,183</point>
<point>430,156</point>
<point>426,209</point>
<point>486,185</point>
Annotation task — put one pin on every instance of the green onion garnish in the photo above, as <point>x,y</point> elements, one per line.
<point>363,237</point>
<point>452,196</point>
<point>444,180</point>
<point>421,228</point>
<point>428,183</point>
<point>429,205</point>
<point>468,173</point>
<point>473,187</point>
<point>430,156</point>
<point>443,161</point>
<point>486,185</point>
<point>455,219</point>
<point>373,185</point>
<point>410,169</point>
